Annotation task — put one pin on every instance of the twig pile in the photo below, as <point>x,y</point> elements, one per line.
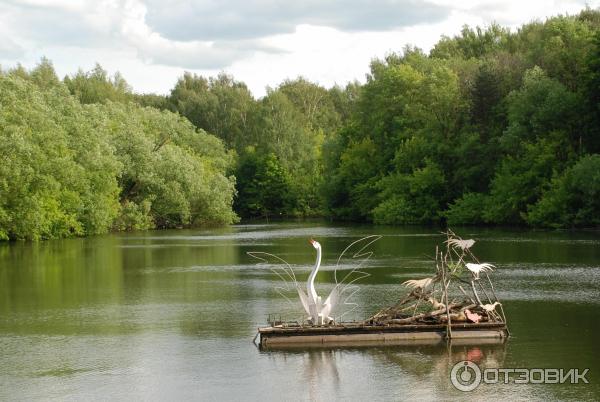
<point>442,298</point>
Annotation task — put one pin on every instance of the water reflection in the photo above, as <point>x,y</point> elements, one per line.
<point>320,369</point>
<point>171,315</point>
<point>415,370</point>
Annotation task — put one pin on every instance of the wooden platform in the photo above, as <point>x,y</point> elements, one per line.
<point>352,334</point>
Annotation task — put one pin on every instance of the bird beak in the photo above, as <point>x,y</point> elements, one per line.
<point>311,241</point>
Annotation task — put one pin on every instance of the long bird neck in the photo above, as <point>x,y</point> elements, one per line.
<point>310,286</point>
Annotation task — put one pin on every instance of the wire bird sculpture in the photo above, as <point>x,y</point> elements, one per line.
<point>419,283</point>
<point>460,243</point>
<point>321,312</point>
<point>477,268</point>
<point>436,299</point>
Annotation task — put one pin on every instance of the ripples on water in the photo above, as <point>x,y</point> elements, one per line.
<point>170,315</point>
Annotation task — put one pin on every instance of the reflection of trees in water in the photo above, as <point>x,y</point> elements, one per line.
<point>60,274</point>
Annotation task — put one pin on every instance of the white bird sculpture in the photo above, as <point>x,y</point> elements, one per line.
<point>436,304</point>
<point>320,312</point>
<point>490,307</point>
<point>316,309</point>
<point>418,283</point>
<point>462,244</point>
<point>477,268</point>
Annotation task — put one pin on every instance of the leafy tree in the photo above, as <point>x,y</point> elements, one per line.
<point>313,102</point>
<point>559,46</point>
<point>473,43</point>
<point>492,126</point>
<point>352,186</point>
<point>572,199</point>
<point>96,86</point>
<point>591,95</point>
<point>264,188</point>
<point>344,100</point>
<point>518,183</point>
<point>59,175</point>
<point>399,147</point>
<point>152,100</point>
<point>178,171</point>
<point>467,210</point>
<point>281,129</point>
<point>541,106</point>
<point>76,169</point>
<point>44,75</point>
<point>411,198</point>
<point>221,106</point>
<point>478,128</point>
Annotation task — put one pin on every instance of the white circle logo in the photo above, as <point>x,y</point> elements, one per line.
<point>465,376</point>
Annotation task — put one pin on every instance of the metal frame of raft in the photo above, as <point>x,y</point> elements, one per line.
<point>352,334</point>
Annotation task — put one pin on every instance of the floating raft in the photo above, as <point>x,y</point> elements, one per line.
<point>355,334</point>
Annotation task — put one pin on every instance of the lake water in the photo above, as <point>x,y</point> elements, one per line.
<point>170,315</point>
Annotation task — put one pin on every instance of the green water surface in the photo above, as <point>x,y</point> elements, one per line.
<point>170,315</point>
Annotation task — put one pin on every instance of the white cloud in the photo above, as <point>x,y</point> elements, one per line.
<point>246,19</point>
<point>120,25</point>
<point>513,13</point>
<point>261,42</point>
<point>153,48</point>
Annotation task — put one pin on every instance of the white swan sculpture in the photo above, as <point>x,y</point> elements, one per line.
<point>321,312</point>
<point>317,310</point>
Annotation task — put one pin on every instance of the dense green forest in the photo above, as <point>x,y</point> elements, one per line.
<point>491,127</point>
<point>71,168</point>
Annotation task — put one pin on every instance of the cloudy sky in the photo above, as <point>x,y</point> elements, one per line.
<point>261,42</point>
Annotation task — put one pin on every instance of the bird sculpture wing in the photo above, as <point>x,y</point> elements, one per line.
<point>490,307</point>
<point>348,270</point>
<point>303,299</point>
<point>460,243</point>
<point>284,271</point>
<point>479,267</point>
<point>418,283</point>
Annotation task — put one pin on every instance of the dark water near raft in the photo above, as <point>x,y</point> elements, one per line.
<point>171,315</point>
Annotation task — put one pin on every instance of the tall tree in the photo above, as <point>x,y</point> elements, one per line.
<point>96,86</point>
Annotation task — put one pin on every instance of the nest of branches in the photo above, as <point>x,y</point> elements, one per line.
<point>459,291</point>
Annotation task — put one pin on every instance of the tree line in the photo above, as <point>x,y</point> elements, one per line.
<point>491,127</point>
<point>72,168</point>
